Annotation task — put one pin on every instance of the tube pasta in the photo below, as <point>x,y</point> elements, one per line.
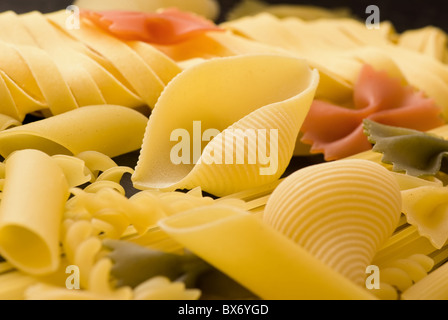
<point>265,254</point>
<point>341,212</point>
<point>288,87</point>
<point>119,131</point>
<point>29,230</point>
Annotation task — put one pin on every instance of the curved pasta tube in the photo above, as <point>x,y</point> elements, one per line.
<point>112,130</point>
<point>257,256</point>
<point>29,230</point>
<point>251,123</point>
<point>341,212</point>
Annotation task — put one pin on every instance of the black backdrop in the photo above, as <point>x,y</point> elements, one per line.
<point>403,14</point>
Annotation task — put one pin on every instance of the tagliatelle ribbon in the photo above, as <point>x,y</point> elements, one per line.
<point>215,95</point>
<point>112,130</point>
<point>205,8</point>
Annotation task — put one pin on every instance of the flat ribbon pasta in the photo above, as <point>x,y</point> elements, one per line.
<point>112,130</point>
<point>257,256</point>
<point>238,110</point>
<point>29,230</point>
<point>330,43</point>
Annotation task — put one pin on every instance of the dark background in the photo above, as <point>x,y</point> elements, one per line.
<point>404,15</point>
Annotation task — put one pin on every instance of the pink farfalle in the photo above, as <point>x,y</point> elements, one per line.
<point>337,131</point>
<point>169,26</point>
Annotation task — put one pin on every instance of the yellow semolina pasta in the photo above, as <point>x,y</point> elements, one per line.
<point>341,212</point>
<point>206,8</point>
<point>31,211</point>
<point>257,256</point>
<point>425,207</point>
<point>112,130</point>
<point>306,12</point>
<point>340,47</point>
<point>239,136</point>
<point>429,40</point>
<point>88,67</point>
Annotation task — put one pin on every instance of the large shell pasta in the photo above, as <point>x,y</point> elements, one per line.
<point>274,267</point>
<point>216,96</point>
<point>112,130</point>
<point>29,230</point>
<point>341,212</point>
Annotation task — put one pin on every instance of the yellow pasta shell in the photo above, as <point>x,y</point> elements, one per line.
<point>231,95</point>
<point>341,212</point>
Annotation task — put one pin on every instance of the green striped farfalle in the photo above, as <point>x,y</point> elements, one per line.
<point>414,152</point>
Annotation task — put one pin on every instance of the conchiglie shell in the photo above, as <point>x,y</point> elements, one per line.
<point>341,212</point>
<point>250,92</point>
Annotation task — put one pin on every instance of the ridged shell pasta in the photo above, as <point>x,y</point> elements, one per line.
<point>341,212</point>
<point>224,94</point>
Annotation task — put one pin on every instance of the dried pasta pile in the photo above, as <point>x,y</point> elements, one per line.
<point>199,215</point>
